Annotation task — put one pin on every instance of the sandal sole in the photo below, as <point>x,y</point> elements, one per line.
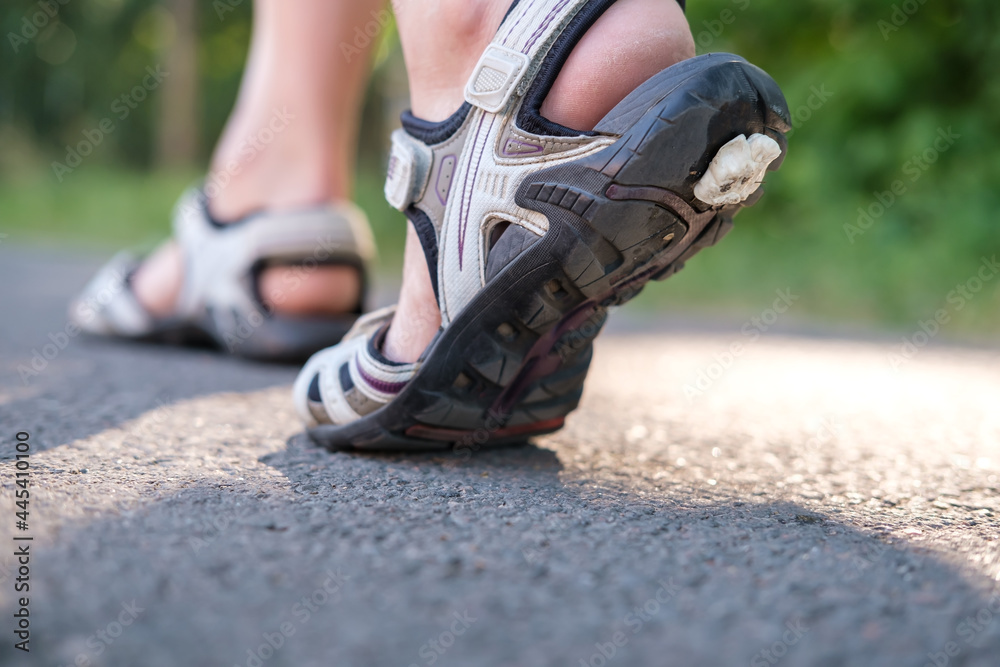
<point>513,364</point>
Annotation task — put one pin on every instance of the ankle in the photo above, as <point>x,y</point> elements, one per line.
<point>266,163</point>
<point>417,317</point>
<point>442,43</point>
<point>632,41</point>
<point>646,35</point>
<point>442,47</point>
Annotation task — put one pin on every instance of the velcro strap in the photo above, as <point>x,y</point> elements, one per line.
<point>495,78</point>
<point>409,167</point>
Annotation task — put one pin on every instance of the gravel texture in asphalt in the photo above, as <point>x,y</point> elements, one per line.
<point>805,501</point>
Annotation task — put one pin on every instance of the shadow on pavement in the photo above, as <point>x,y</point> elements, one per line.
<point>503,560</point>
<point>63,388</point>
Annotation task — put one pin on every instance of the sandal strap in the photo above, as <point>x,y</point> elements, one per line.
<point>410,162</point>
<point>221,260</point>
<point>456,180</point>
<point>107,305</point>
<point>516,53</point>
<point>355,379</point>
<point>504,72</point>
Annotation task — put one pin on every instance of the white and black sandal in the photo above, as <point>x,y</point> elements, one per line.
<point>532,230</point>
<point>219,302</point>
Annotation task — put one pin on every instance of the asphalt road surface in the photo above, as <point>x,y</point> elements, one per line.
<point>805,501</point>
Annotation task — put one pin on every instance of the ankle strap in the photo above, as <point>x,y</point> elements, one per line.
<point>512,60</point>
<point>505,71</point>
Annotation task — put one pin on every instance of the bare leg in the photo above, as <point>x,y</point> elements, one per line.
<point>296,67</point>
<point>442,41</point>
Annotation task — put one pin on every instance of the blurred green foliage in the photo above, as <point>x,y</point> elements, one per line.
<point>872,86</point>
<point>895,74</point>
<point>65,79</point>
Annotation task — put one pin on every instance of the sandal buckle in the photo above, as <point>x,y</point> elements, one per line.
<point>495,78</point>
<point>408,171</point>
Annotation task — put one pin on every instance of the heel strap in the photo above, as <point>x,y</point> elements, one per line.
<point>501,78</point>
<point>512,60</point>
<point>353,377</point>
<point>220,260</point>
<point>456,180</point>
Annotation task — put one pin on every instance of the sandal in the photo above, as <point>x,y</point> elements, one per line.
<point>219,303</point>
<point>532,231</point>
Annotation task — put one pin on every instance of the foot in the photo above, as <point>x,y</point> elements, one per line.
<point>531,229</point>
<point>289,143</point>
<point>238,187</point>
<point>295,291</point>
<point>631,42</point>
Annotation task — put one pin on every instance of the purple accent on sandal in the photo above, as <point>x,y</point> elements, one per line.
<point>382,385</point>
<point>661,196</point>
<point>447,166</point>
<point>524,12</point>
<point>464,213</point>
<point>540,362</point>
<point>544,26</point>
<point>514,148</point>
